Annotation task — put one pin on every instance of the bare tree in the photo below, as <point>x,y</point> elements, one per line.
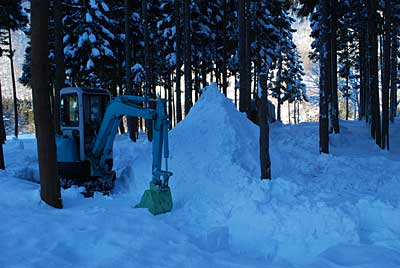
<point>46,146</point>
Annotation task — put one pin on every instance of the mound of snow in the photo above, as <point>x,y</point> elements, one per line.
<point>214,157</point>
<point>214,132</point>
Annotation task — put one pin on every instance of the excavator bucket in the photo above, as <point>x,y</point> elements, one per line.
<point>156,200</point>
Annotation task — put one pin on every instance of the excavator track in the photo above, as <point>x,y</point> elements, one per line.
<point>97,184</point>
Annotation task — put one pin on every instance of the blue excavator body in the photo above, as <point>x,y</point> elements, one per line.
<point>89,124</point>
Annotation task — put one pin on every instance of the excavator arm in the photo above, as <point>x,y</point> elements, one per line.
<point>158,198</point>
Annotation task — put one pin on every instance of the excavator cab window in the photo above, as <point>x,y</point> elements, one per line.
<point>94,109</point>
<point>69,110</point>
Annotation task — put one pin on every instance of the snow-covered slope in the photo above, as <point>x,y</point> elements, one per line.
<point>340,210</point>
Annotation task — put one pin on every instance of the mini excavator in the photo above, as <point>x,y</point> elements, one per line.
<point>89,122</point>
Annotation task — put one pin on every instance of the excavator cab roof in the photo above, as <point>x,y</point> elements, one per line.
<point>85,90</point>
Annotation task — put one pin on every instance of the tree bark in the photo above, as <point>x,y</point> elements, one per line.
<point>14,86</point>
<point>386,75</point>
<point>324,80</point>
<point>265,161</point>
<point>46,146</point>
<point>178,104</point>
<point>59,59</point>
<point>188,60</point>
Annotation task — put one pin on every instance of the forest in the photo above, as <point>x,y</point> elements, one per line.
<point>215,77</point>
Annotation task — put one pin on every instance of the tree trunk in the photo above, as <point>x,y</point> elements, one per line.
<point>324,80</point>
<point>178,105</point>
<point>364,70</point>
<point>196,84</point>
<point>188,60</point>
<point>203,72</point>
<point>333,69</point>
<point>128,73</point>
<point>361,111</point>
<point>59,59</point>
<point>347,97</point>
<point>265,161</point>
<point>224,51</point>
<point>373,55</point>
<point>298,112</point>
<point>278,89</point>
<point>248,52</point>
<point>46,146</point>
<point>13,84</point>
<point>2,133</point>
<point>386,75</point>
<point>148,85</point>
<point>235,88</point>
<point>394,76</point>
<point>168,83</point>
<point>244,94</point>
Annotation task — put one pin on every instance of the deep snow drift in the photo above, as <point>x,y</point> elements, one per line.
<point>340,210</point>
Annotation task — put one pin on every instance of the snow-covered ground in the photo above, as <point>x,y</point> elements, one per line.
<point>328,211</point>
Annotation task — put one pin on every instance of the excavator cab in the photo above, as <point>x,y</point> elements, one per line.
<point>81,113</point>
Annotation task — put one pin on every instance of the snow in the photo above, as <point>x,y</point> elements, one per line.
<point>330,211</point>
<point>105,7</point>
<point>93,4</point>
<point>89,17</point>
<point>107,32</point>
<point>107,51</point>
<point>82,39</point>
<point>89,64</point>
<point>95,52</point>
<point>92,38</point>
